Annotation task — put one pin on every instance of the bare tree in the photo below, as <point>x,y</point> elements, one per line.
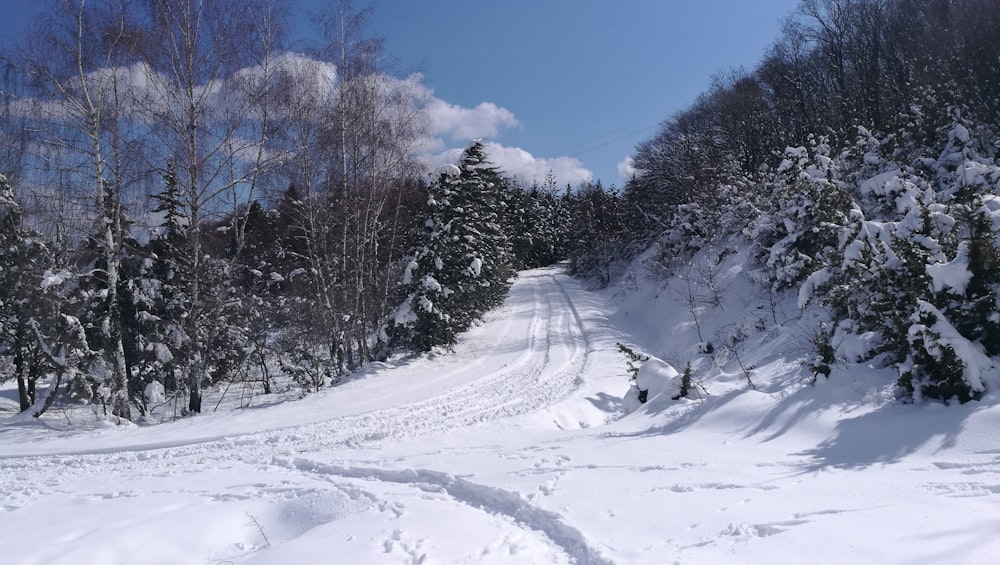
<point>193,54</point>
<point>350,147</point>
<point>78,66</point>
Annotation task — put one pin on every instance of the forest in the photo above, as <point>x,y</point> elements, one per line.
<point>187,203</point>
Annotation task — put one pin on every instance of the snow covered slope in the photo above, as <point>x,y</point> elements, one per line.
<point>517,448</point>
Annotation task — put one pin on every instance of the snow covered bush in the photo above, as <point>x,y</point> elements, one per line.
<point>728,209</point>
<point>654,378</point>
<point>917,270</point>
<point>686,384</point>
<point>823,354</point>
<point>650,377</point>
<point>154,393</point>
<point>804,220</point>
<point>942,364</point>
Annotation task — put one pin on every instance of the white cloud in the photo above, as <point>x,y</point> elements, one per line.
<point>626,168</point>
<point>450,124</point>
<point>466,124</point>
<point>527,168</point>
<point>314,85</point>
<point>515,162</point>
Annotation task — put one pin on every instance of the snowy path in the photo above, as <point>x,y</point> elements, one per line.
<point>512,450</point>
<point>527,356</point>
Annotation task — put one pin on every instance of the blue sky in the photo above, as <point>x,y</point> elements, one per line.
<point>559,79</point>
<point>584,78</point>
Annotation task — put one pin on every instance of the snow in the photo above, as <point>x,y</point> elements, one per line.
<point>516,448</point>
<point>953,275</point>
<point>154,393</point>
<point>408,272</point>
<point>960,133</point>
<point>449,170</point>
<point>162,352</point>
<point>430,283</point>
<point>53,279</point>
<point>656,376</point>
<point>476,266</point>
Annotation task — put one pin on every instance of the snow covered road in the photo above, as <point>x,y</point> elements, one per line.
<point>526,357</point>
<point>515,449</point>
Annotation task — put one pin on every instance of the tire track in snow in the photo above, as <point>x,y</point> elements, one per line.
<point>483,497</point>
<point>542,374</point>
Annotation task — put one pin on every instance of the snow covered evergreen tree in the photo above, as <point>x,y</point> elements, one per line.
<point>36,338</point>
<point>160,297</point>
<point>15,333</point>
<point>916,267</point>
<point>537,225</point>
<point>464,267</point>
<point>10,241</point>
<point>598,240</point>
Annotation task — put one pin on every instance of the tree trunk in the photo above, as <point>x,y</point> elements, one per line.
<point>194,401</point>
<point>51,397</point>
<point>22,392</point>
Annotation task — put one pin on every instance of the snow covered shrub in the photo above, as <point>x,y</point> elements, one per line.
<point>650,377</point>
<point>634,361</point>
<point>934,367</point>
<point>916,273</point>
<point>805,218</point>
<point>692,226</point>
<point>309,369</point>
<point>954,328</point>
<point>685,383</point>
<point>80,389</point>
<point>824,354</point>
<point>154,393</point>
<point>882,269</point>
<point>726,210</point>
<point>733,339</point>
<point>974,311</point>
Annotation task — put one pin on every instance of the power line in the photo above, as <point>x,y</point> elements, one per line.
<point>601,141</point>
<point>590,148</point>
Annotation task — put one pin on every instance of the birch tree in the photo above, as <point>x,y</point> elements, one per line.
<point>78,66</point>
<point>377,123</point>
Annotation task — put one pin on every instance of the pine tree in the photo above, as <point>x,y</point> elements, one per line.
<point>13,328</point>
<point>27,307</point>
<point>160,296</point>
<point>598,239</point>
<point>464,267</point>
